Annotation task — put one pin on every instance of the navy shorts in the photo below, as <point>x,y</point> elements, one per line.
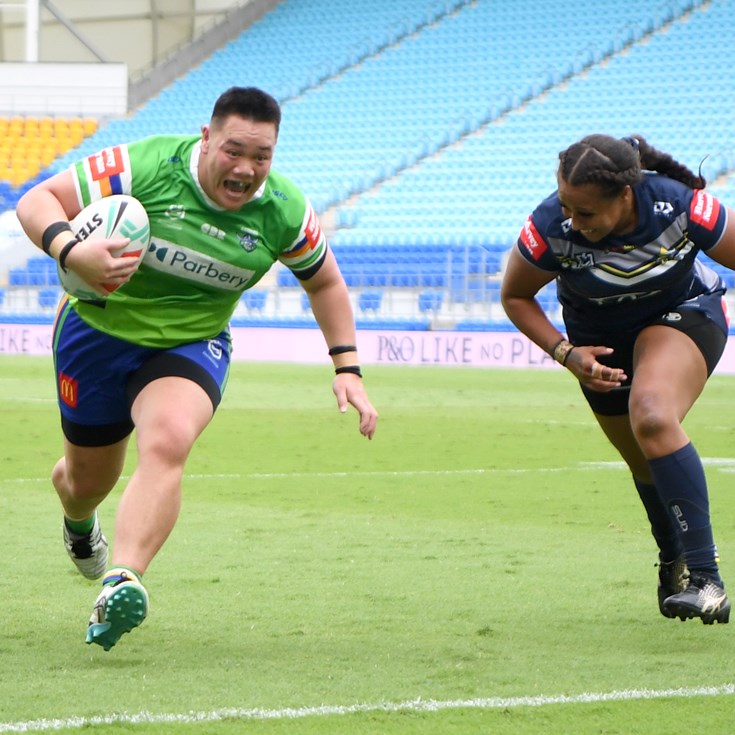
<point>99,376</point>
<point>703,319</point>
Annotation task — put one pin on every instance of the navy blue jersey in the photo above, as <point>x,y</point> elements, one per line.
<point>624,282</point>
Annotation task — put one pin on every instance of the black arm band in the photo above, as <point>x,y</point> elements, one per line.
<point>65,251</point>
<point>354,369</point>
<point>341,349</point>
<point>51,232</point>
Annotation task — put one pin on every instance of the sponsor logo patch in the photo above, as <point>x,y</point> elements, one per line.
<point>213,231</point>
<point>195,266</point>
<point>175,211</point>
<point>532,241</point>
<point>248,239</point>
<point>312,230</point>
<point>106,163</point>
<point>704,209</point>
<point>68,390</point>
<point>664,208</point>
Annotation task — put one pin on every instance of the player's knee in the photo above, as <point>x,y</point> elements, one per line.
<point>86,486</point>
<point>168,445</point>
<point>649,417</point>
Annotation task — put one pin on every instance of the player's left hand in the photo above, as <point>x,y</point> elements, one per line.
<point>582,361</point>
<point>348,389</point>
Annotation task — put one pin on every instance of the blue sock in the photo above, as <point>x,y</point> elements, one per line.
<point>680,480</point>
<point>663,529</point>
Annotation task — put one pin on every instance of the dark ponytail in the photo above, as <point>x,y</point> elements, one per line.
<point>653,159</point>
<point>614,163</point>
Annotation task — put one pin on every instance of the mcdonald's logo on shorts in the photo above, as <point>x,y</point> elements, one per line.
<point>68,390</point>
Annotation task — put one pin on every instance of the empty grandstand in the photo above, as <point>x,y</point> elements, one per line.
<point>425,130</point>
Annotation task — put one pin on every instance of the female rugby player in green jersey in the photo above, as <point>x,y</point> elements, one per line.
<point>154,355</point>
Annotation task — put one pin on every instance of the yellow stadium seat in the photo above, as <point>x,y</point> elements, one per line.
<point>76,135</point>
<point>63,144</point>
<point>48,155</point>
<point>46,125</point>
<point>34,168</point>
<point>46,135</point>
<point>16,127</point>
<point>19,176</point>
<point>90,126</point>
<point>31,127</point>
<point>61,126</point>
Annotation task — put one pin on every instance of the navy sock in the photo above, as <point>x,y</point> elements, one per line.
<point>663,529</point>
<point>680,480</point>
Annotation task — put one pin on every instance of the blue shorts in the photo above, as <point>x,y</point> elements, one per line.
<point>99,376</point>
<point>703,319</point>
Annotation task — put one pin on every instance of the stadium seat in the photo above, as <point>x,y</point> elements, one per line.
<point>370,301</point>
<point>254,300</point>
<point>424,116</point>
<point>430,301</point>
<point>48,298</point>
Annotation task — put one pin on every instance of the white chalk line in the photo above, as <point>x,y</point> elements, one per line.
<point>415,705</point>
<point>726,464</point>
<point>372,473</point>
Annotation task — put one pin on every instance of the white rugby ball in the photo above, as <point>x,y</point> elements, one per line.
<point>115,216</point>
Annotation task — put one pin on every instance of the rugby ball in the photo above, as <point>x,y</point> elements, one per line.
<point>115,216</point>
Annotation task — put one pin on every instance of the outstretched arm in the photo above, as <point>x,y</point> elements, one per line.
<point>330,303</point>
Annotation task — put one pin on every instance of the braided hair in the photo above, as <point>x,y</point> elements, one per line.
<point>614,163</point>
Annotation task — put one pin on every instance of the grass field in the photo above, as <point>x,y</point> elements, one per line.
<point>482,566</point>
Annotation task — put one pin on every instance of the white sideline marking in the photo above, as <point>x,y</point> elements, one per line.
<point>378,473</point>
<point>414,705</point>
<point>726,463</point>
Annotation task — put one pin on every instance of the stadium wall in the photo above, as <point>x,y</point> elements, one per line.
<point>501,349</point>
<point>95,90</point>
<point>138,33</point>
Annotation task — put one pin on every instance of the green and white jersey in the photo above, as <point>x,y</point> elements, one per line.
<point>201,257</point>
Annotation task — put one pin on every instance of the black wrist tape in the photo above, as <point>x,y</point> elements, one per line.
<point>354,369</point>
<point>341,349</point>
<point>51,232</point>
<point>65,251</point>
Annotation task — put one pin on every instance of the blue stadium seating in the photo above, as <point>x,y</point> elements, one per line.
<point>428,129</point>
<point>254,299</point>
<point>48,298</point>
<point>370,301</point>
<point>430,301</point>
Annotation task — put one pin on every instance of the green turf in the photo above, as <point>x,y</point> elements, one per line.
<point>486,546</point>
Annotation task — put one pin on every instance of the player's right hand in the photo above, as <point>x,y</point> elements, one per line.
<point>94,262</point>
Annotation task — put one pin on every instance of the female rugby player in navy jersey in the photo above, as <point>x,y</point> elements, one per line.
<point>646,326</point>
